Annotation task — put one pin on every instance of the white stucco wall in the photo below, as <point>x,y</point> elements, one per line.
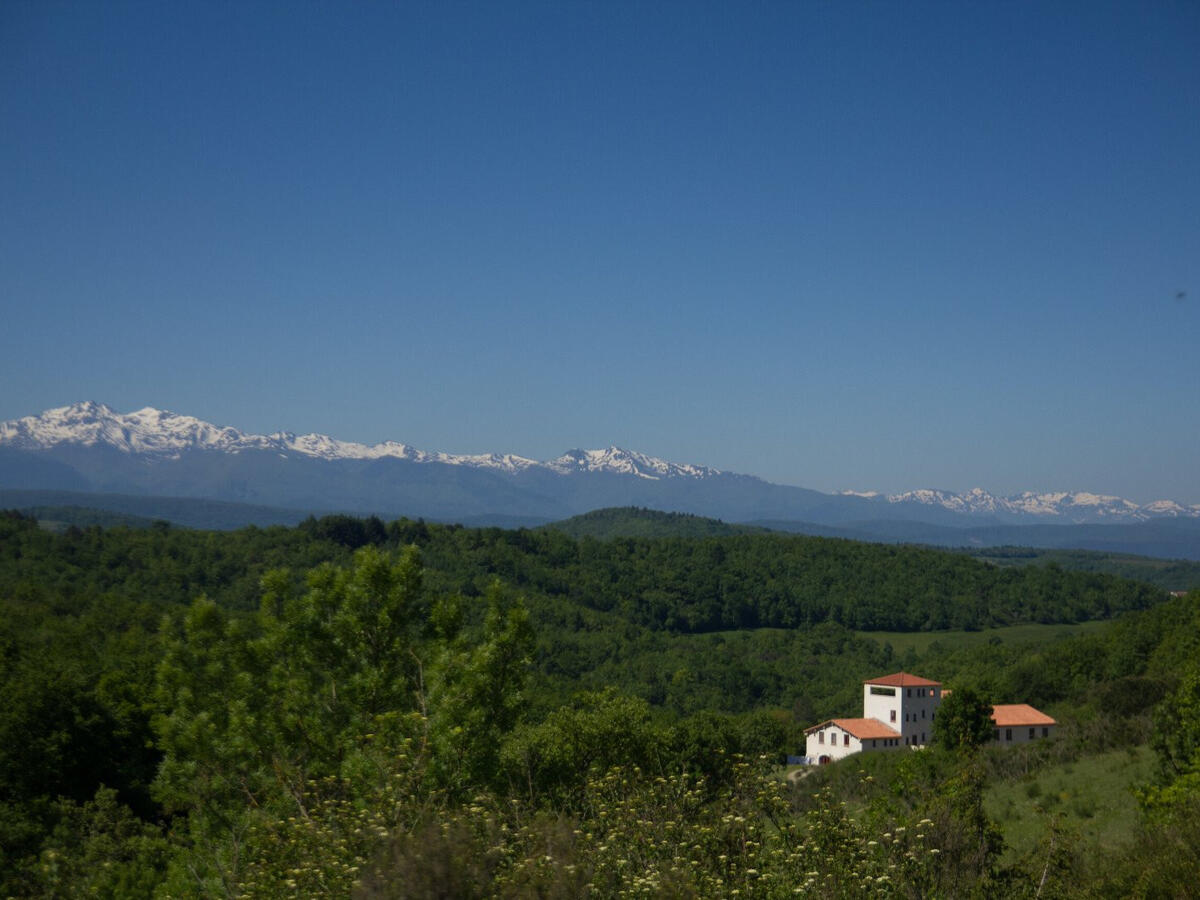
<point>915,709</point>
<point>881,705</point>
<point>1019,734</point>
<point>834,746</point>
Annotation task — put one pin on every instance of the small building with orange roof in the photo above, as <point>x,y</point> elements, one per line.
<point>1019,723</point>
<point>836,738</point>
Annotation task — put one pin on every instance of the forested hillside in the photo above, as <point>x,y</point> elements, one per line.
<point>749,581</point>
<point>401,709</point>
<point>1168,574</point>
<point>675,584</point>
<point>636,522</point>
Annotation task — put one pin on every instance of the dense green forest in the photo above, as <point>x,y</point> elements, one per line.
<point>404,709</point>
<point>1169,574</point>
<point>625,522</point>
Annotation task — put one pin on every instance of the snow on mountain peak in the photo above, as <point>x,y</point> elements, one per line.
<point>626,462</point>
<point>1171,508</point>
<point>159,433</point>
<point>165,434</point>
<point>1076,507</point>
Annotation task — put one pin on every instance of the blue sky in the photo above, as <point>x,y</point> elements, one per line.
<point>870,246</point>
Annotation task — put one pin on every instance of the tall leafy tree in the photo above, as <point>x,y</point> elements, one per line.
<point>256,709</point>
<point>964,720</point>
<point>1176,740</point>
<point>477,691</point>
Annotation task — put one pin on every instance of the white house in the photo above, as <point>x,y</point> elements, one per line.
<point>842,737</point>
<point>899,711</point>
<point>1019,723</point>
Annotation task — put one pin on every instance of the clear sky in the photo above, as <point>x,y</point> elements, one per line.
<point>839,245</point>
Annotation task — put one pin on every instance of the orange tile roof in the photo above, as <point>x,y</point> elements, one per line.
<point>863,729</point>
<point>1009,715</point>
<point>903,679</point>
<point>866,728</point>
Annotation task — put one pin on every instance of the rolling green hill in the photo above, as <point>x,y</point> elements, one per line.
<point>1168,574</point>
<point>635,522</point>
<point>59,518</point>
<point>190,512</point>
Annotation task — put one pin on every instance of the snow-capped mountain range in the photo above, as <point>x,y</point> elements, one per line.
<point>89,446</point>
<point>164,434</point>
<point>1079,506</point>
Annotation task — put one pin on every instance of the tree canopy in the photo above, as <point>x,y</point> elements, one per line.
<point>964,720</point>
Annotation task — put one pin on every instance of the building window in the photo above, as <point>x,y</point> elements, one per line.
<point>910,692</point>
<point>922,737</point>
<point>1045,732</point>
<point>820,737</point>
<point>845,740</point>
<point>922,714</point>
<point>1031,733</point>
<point>1008,734</point>
<point>893,715</point>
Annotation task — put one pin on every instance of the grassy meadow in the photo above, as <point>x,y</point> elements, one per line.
<point>1092,797</point>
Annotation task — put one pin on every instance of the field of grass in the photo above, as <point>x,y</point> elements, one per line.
<point>920,641</point>
<point>1093,796</point>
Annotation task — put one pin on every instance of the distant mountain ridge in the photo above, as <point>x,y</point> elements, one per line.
<point>165,434</point>
<point>89,447</point>
<point>1077,507</point>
